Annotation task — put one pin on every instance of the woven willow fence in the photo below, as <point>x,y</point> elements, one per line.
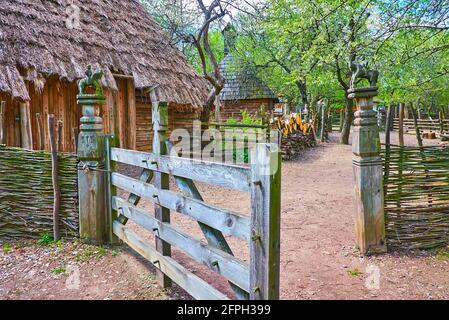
<point>416,196</point>
<point>26,193</point>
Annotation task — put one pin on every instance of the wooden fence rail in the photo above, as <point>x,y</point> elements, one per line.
<point>258,279</point>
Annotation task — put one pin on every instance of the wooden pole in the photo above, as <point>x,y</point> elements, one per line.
<point>60,125</point>
<point>54,175</point>
<point>401,124</point>
<point>367,165</point>
<point>40,132</point>
<point>25,126</point>
<point>441,122</point>
<point>75,139</point>
<point>265,222</point>
<point>2,122</point>
<point>91,165</point>
<point>415,122</point>
<point>161,180</point>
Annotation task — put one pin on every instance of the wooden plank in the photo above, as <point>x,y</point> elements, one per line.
<point>25,126</point>
<point>131,100</point>
<point>2,122</point>
<point>228,222</point>
<point>265,222</point>
<point>196,287</point>
<point>229,176</point>
<point>161,180</point>
<point>221,262</point>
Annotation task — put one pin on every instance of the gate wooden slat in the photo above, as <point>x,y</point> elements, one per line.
<point>229,176</point>
<point>226,221</point>
<point>223,263</point>
<point>196,287</point>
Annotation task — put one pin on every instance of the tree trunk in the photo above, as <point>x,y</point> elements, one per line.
<point>349,117</point>
<point>401,124</point>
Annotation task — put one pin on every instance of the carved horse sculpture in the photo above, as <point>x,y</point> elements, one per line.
<point>91,80</point>
<point>360,71</point>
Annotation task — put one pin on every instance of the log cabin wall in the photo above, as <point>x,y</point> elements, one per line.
<point>144,127</point>
<point>130,119</point>
<point>233,109</point>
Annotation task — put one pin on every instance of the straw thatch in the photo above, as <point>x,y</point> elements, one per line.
<point>117,36</point>
<point>241,82</point>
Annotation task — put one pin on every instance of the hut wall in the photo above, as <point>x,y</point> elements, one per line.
<point>122,114</point>
<point>144,128</point>
<point>233,109</point>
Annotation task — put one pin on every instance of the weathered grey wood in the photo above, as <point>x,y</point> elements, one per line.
<point>221,262</point>
<point>401,124</point>
<point>60,126</point>
<point>228,176</point>
<point>91,166</point>
<point>265,222</point>
<point>2,122</point>
<point>226,221</point>
<point>161,180</point>
<point>196,287</point>
<point>134,199</point>
<point>367,166</point>
<point>40,132</point>
<point>213,236</point>
<point>111,190</point>
<point>55,177</point>
<point>25,126</point>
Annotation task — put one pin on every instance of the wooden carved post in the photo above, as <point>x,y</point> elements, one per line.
<point>265,222</point>
<point>161,180</point>
<point>25,126</point>
<point>367,166</point>
<point>2,122</point>
<point>91,155</point>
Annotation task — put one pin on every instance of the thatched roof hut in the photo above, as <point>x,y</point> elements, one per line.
<point>50,42</point>
<point>243,89</point>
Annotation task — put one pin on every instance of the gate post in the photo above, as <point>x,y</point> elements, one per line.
<point>367,166</point>
<point>91,156</point>
<point>265,222</point>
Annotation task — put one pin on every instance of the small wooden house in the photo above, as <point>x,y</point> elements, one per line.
<point>45,46</point>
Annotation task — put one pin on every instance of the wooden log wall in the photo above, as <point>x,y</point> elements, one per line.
<point>233,109</point>
<point>122,114</point>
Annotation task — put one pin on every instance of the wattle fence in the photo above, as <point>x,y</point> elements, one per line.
<point>416,186</point>
<point>26,193</point>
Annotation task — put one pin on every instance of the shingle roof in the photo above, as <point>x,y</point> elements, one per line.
<point>241,82</point>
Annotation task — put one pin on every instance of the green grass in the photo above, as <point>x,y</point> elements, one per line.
<point>58,270</point>
<point>45,240</point>
<point>443,254</point>
<point>6,248</point>
<point>355,272</point>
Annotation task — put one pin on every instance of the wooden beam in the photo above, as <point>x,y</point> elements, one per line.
<point>40,132</point>
<point>401,124</point>
<point>131,99</point>
<point>197,288</point>
<point>219,261</point>
<point>54,175</point>
<point>228,222</point>
<point>161,180</point>
<point>228,176</point>
<point>25,126</point>
<point>2,122</point>
<point>265,222</point>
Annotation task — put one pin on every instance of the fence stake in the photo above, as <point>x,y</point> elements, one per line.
<point>367,165</point>
<point>161,180</point>
<point>265,222</point>
<point>40,132</point>
<point>60,126</point>
<point>2,122</point>
<point>91,155</point>
<point>54,175</point>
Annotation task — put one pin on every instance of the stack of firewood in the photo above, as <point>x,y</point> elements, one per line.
<point>297,135</point>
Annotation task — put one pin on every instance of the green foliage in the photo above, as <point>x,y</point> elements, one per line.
<point>45,239</point>
<point>59,270</point>
<point>6,247</point>
<point>355,272</point>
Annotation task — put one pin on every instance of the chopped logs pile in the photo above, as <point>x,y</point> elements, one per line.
<point>297,135</point>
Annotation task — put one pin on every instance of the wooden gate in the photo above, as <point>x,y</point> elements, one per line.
<point>258,279</point>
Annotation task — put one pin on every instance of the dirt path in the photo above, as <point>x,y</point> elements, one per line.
<point>318,259</point>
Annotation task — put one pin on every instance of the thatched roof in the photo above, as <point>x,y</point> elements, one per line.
<point>242,82</point>
<point>118,36</point>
